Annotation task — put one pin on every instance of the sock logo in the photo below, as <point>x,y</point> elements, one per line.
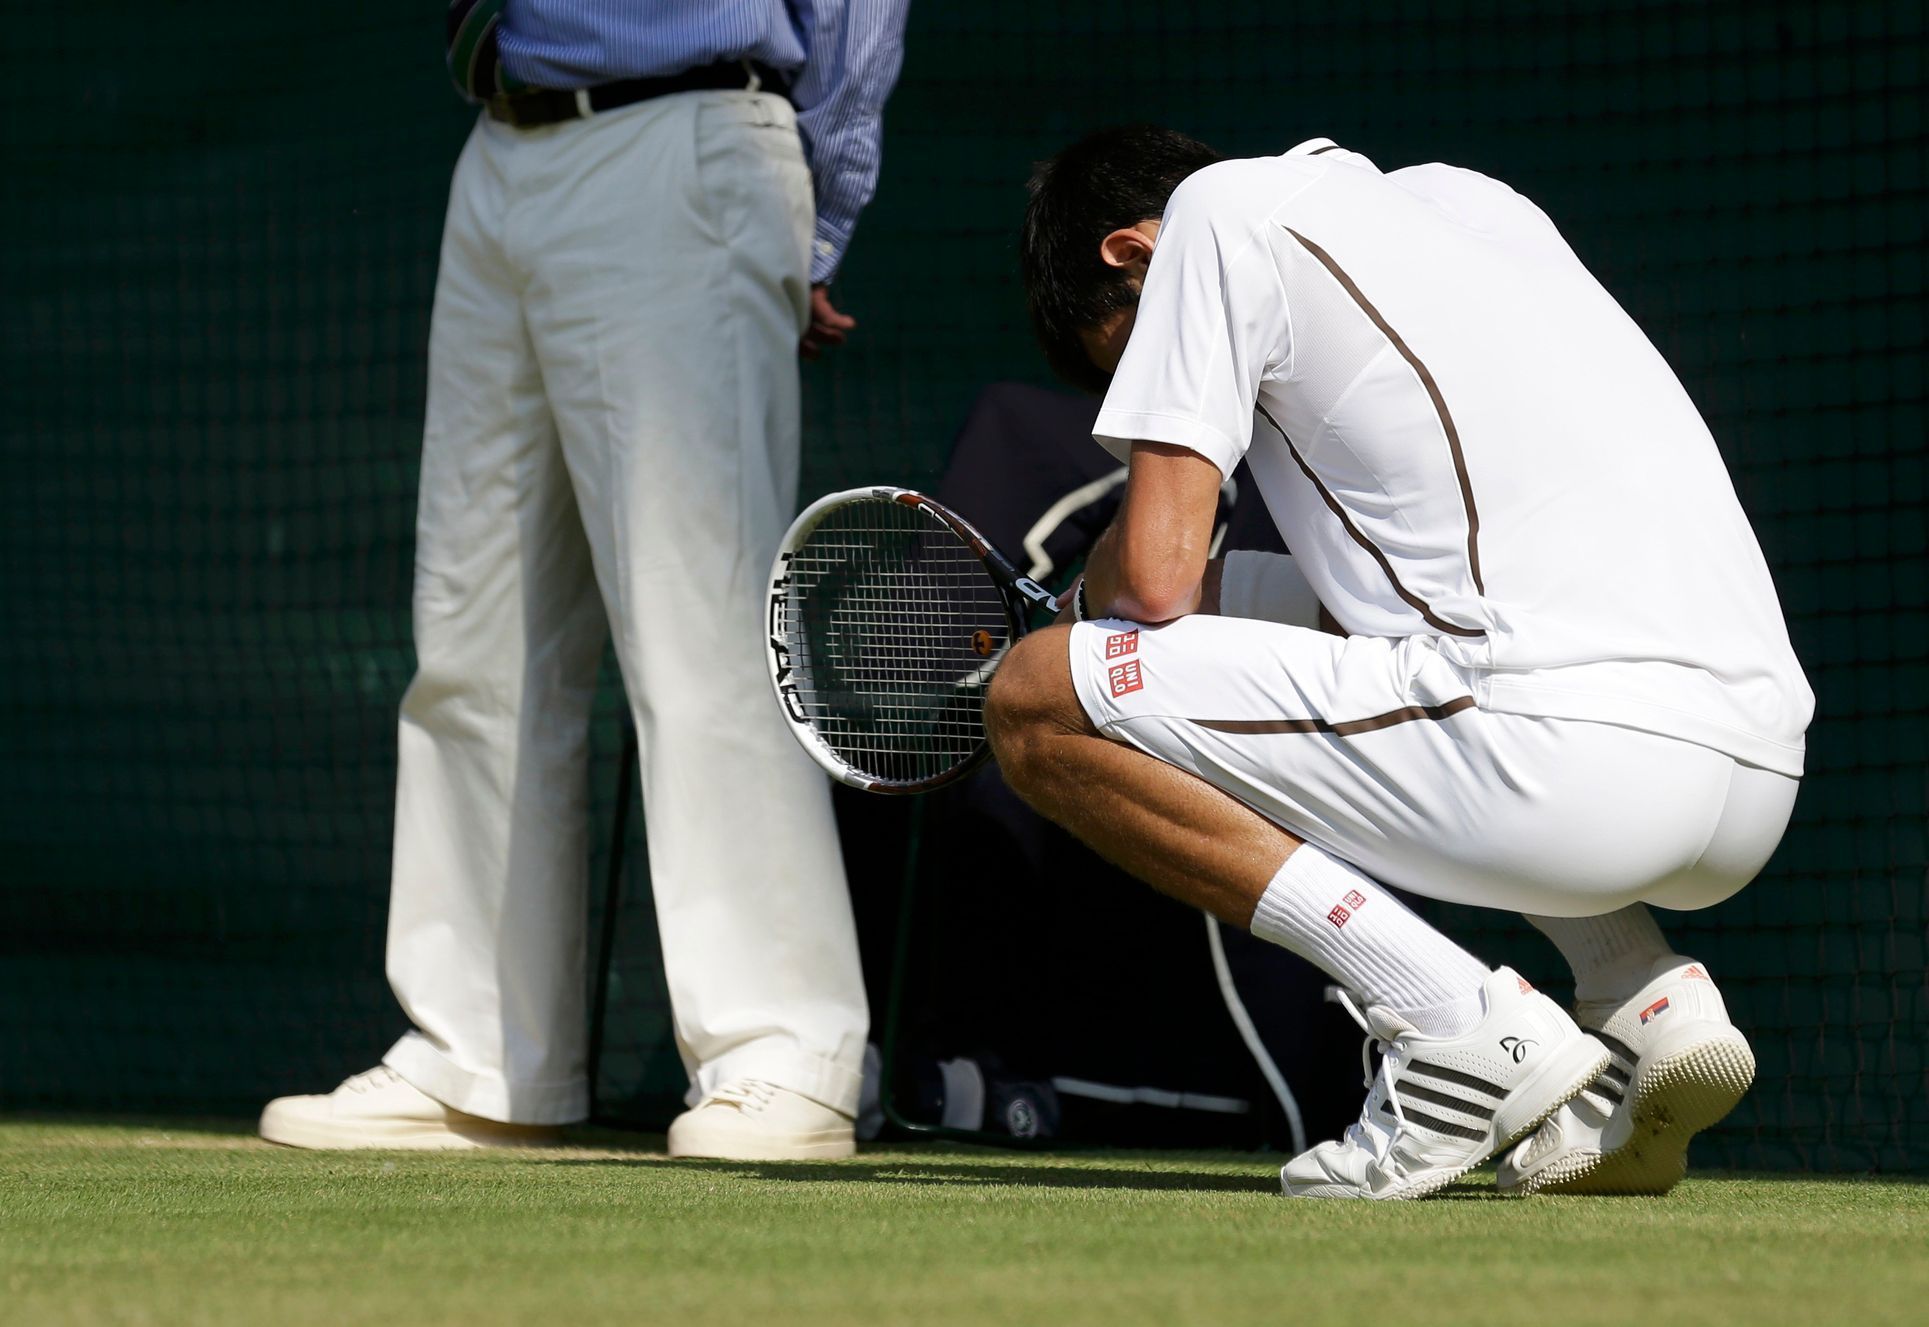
<point>1517,1047</point>
<point>1339,915</point>
<point>1355,899</point>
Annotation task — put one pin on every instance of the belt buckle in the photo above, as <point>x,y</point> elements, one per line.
<point>534,108</point>
<point>504,108</point>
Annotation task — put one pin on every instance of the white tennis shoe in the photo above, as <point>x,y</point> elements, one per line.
<point>1439,1106</point>
<point>751,1120</point>
<point>1678,1065</point>
<point>382,1109</point>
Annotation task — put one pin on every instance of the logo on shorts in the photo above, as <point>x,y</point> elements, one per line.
<point>1126,678</point>
<point>1122,643</point>
<point>1355,899</point>
<point>1655,1010</point>
<point>1338,916</point>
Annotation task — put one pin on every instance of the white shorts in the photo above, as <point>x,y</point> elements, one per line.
<point>1374,750</point>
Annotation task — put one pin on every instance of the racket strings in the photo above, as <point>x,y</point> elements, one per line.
<point>894,628</point>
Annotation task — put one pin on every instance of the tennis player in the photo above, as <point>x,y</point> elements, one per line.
<point>1561,685</point>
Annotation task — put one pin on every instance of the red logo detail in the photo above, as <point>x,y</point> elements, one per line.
<point>1126,678</point>
<point>1526,987</point>
<point>1121,644</point>
<point>1692,971</point>
<point>1338,915</point>
<point>1355,899</point>
<point>1654,1010</point>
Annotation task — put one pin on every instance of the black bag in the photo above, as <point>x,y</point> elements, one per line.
<point>1046,993</point>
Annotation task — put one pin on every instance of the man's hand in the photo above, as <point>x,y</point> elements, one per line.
<point>1065,616</point>
<point>1208,594</point>
<point>828,327</point>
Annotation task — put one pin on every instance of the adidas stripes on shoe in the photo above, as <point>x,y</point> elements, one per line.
<point>1436,1107</point>
<point>1677,1066</point>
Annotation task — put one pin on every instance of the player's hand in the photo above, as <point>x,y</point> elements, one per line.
<point>828,327</point>
<point>1065,601</point>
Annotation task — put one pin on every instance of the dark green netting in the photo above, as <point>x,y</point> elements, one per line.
<point>214,290</point>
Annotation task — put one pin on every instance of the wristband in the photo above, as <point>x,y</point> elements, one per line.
<point>1078,603</point>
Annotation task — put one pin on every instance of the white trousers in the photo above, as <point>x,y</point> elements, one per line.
<point>611,447</point>
<point>1374,750</point>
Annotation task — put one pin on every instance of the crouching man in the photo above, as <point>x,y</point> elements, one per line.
<point>1564,686</point>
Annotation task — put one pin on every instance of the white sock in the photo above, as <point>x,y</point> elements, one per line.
<point>1337,918</point>
<point>1612,954</point>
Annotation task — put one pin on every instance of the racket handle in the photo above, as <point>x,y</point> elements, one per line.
<point>1018,582</point>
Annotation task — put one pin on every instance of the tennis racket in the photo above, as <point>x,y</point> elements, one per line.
<point>888,615</point>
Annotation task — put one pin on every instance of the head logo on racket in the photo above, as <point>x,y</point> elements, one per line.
<point>888,615</point>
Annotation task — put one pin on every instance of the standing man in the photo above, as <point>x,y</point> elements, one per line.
<point>1565,687</point>
<point>630,267</point>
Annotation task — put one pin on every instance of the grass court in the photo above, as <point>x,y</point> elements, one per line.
<point>199,1222</point>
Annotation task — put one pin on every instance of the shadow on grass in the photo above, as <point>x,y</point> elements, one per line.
<point>212,1126</point>
<point>1039,1172</point>
<point>926,1163</point>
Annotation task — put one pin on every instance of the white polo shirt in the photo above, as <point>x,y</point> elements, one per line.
<point>1462,435</point>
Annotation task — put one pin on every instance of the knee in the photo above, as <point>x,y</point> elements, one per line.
<point>1032,700</point>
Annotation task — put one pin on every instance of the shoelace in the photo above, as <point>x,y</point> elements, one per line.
<point>1367,1133</point>
<point>746,1094</point>
<point>380,1076</point>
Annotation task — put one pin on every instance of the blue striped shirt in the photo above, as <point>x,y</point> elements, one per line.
<point>842,57</point>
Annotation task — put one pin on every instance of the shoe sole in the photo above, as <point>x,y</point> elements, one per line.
<point>328,1136</point>
<point>1672,1099</point>
<point>743,1149</point>
<point>1536,1116</point>
<point>1591,1057</point>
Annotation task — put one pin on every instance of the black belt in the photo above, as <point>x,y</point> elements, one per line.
<point>539,106</point>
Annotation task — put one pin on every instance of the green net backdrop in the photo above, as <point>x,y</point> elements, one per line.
<point>214,289</point>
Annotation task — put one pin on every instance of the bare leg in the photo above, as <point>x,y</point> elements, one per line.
<point>1206,848</point>
<point>1176,832</point>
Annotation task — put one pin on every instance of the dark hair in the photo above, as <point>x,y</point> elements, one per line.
<point>1107,180</point>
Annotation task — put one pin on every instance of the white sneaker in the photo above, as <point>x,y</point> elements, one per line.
<point>1439,1106</point>
<point>380,1109</point>
<point>751,1120</point>
<point>1678,1066</point>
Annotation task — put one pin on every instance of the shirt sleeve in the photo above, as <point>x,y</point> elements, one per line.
<point>1211,326</point>
<point>853,50</point>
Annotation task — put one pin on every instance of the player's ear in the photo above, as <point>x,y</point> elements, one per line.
<point>1129,247</point>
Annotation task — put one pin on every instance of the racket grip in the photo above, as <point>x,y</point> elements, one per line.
<point>1016,581</point>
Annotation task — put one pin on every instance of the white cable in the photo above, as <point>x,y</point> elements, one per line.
<point>1058,513</point>
<point>1150,1096</point>
<point>1250,1035</point>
